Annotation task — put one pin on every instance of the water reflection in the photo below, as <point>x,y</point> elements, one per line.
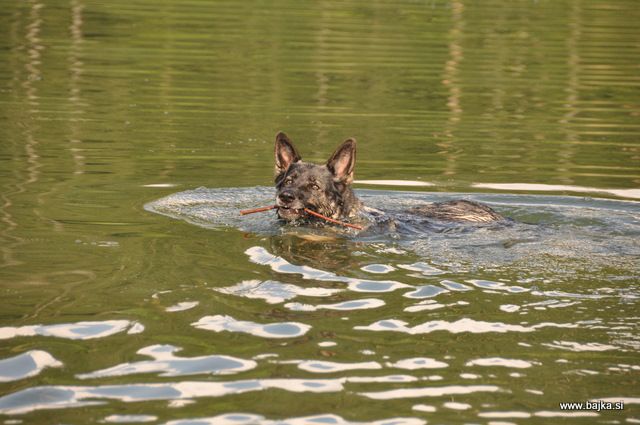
<point>364,303</point>
<point>74,396</point>
<point>450,390</point>
<point>418,363</point>
<point>458,326</point>
<point>166,363</point>
<point>56,397</point>
<point>125,419</point>
<point>442,96</point>
<point>79,330</point>
<point>26,365</point>
<point>261,256</point>
<point>76,68</point>
<point>497,361</point>
<point>530,187</point>
<point>182,306</point>
<point>249,419</point>
<point>274,292</point>
<point>219,323</point>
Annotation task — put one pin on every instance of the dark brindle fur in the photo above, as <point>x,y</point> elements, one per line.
<point>326,189</point>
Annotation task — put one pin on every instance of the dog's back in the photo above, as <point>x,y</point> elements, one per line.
<point>459,210</point>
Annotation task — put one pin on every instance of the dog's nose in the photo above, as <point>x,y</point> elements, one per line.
<point>286,197</point>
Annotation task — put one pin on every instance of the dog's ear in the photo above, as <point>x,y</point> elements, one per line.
<point>343,161</point>
<point>286,153</point>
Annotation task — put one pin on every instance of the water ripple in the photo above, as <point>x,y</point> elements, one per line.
<point>498,361</point>
<point>167,364</point>
<point>26,365</point>
<point>182,306</point>
<point>418,363</point>
<point>261,256</point>
<point>361,304</point>
<point>459,326</point>
<point>317,366</point>
<point>56,397</point>
<point>79,330</point>
<point>429,392</point>
<point>219,323</point>
<point>250,419</point>
<point>274,292</point>
<point>123,419</point>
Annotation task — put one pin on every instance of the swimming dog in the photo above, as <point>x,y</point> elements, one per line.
<point>326,189</point>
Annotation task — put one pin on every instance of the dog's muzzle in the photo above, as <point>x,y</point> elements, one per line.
<point>289,206</point>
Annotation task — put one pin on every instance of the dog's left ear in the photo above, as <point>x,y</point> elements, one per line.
<point>343,161</point>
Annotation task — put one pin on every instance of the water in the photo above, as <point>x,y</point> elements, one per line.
<point>132,132</point>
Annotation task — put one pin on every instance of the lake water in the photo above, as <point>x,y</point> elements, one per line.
<point>133,132</point>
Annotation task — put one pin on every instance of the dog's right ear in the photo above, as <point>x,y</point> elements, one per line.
<point>286,153</point>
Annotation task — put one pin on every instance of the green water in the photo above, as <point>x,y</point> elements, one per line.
<point>105,107</point>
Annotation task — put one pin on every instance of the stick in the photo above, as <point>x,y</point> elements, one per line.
<point>257,210</point>
<point>331,220</point>
<point>308,211</point>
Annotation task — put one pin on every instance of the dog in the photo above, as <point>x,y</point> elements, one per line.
<point>326,189</point>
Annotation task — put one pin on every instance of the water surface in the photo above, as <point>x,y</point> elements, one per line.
<point>132,132</point>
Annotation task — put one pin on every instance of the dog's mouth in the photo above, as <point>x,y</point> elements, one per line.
<point>289,213</point>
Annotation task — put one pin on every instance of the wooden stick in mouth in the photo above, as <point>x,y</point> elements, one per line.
<point>257,210</point>
<point>331,220</point>
<point>308,211</point>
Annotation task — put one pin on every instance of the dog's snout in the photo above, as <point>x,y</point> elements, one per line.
<point>287,197</point>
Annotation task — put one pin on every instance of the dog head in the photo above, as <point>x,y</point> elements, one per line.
<point>324,189</point>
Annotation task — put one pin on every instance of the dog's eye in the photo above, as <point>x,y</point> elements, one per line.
<point>315,187</point>
<point>287,182</point>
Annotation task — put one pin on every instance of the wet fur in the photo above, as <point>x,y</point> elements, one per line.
<point>326,189</point>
